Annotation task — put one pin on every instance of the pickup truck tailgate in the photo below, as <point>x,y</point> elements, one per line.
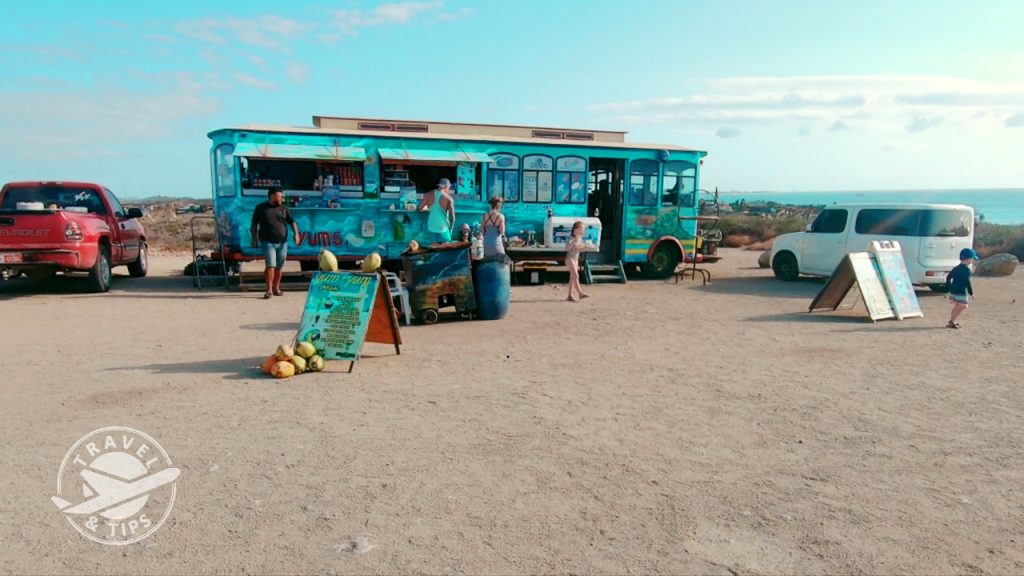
<point>31,230</point>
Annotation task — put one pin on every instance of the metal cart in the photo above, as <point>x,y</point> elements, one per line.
<point>437,278</point>
<point>209,268</point>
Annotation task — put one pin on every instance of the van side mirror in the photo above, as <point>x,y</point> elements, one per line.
<point>135,213</point>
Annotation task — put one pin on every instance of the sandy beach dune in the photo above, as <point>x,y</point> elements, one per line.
<point>653,428</point>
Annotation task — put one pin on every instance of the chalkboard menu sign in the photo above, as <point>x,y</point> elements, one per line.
<point>337,313</point>
<point>893,270</point>
<point>856,268</point>
<point>342,308</point>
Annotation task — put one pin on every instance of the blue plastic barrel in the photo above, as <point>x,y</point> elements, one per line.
<point>493,285</point>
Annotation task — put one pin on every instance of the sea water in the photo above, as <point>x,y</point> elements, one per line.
<point>995,206</point>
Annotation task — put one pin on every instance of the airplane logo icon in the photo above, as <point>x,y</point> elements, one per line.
<point>109,491</point>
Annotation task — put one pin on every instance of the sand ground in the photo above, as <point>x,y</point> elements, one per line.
<point>654,428</point>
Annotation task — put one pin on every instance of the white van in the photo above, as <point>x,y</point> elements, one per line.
<point>931,236</point>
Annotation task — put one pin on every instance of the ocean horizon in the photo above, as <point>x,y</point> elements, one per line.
<point>991,205</point>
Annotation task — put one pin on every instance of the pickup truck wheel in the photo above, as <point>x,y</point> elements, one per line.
<point>100,275</point>
<point>140,267</point>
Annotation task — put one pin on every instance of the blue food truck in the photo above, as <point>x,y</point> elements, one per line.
<point>354,184</point>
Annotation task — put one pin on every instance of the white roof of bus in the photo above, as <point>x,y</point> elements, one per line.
<point>471,137</point>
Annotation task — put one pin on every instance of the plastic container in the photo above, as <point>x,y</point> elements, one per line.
<point>558,230</point>
<point>493,286</point>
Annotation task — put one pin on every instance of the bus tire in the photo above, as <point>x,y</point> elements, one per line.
<point>785,267</point>
<point>663,261</point>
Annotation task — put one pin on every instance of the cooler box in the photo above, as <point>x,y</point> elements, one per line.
<point>558,230</point>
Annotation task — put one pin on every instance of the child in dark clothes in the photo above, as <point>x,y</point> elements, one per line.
<point>959,282</point>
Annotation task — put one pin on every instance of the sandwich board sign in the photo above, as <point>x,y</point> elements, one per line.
<point>855,268</point>
<point>893,270</point>
<point>345,309</point>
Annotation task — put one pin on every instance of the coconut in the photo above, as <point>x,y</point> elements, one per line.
<point>328,261</point>
<point>315,364</point>
<point>268,363</point>
<point>282,369</point>
<point>305,350</point>
<point>372,262</point>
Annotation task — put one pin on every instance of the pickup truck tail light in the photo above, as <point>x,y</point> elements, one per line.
<point>73,232</point>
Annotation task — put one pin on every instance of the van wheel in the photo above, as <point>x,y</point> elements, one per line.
<point>939,288</point>
<point>428,316</point>
<point>140,267</point>
<point>663,261</point>
<point>100,275</point>
<point>785,267</point>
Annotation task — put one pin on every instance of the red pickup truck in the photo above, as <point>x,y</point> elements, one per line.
<point>50,227</point>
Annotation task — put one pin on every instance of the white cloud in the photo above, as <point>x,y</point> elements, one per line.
<point>878,103</point>
<point>397,13</point>
<point>1015,121</point>
<point>51,124</point>
<point>253,81</point>
<point>298,73</point>
<point>726,132</point>
<point>920,124</point>
<point>838,126</point>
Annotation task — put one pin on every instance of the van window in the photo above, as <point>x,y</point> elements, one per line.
<point>830,221</point>
<point>888,222</point>
<point>946,223</point>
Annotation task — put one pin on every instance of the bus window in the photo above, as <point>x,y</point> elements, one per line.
<point>224,170</point>
<point>503,177</point>
<point>678,184</point>
<point>537,170</point>
<point>571,180</point>
<point>643,183</point>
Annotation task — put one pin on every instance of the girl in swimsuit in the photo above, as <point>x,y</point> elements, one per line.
<point>493,227</point>
<point>572,261</point>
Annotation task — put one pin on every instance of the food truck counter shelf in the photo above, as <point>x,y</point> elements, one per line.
<point>339,209</point>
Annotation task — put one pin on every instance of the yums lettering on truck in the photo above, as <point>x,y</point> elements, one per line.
<point>69,227</point>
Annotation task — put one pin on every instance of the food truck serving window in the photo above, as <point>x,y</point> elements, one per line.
<point>643,183</point>
<point>537,177</point>
<point>308,177</point>
<point>571,180</point>
<point>503,177</point>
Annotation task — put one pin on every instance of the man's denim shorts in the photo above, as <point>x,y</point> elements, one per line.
<point>274,254</point>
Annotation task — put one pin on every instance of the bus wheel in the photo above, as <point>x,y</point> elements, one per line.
<point>663,261</point>
<point>785,267</point>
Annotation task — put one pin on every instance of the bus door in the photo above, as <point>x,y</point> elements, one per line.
<point>605,202</point>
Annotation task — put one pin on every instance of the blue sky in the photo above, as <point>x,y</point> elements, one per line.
<point>784,95</point>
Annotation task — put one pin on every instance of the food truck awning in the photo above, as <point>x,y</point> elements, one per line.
<point>299,151</point>
<point>432,155</point>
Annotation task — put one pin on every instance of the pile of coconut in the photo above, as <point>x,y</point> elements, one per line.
<point>288,361</point>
